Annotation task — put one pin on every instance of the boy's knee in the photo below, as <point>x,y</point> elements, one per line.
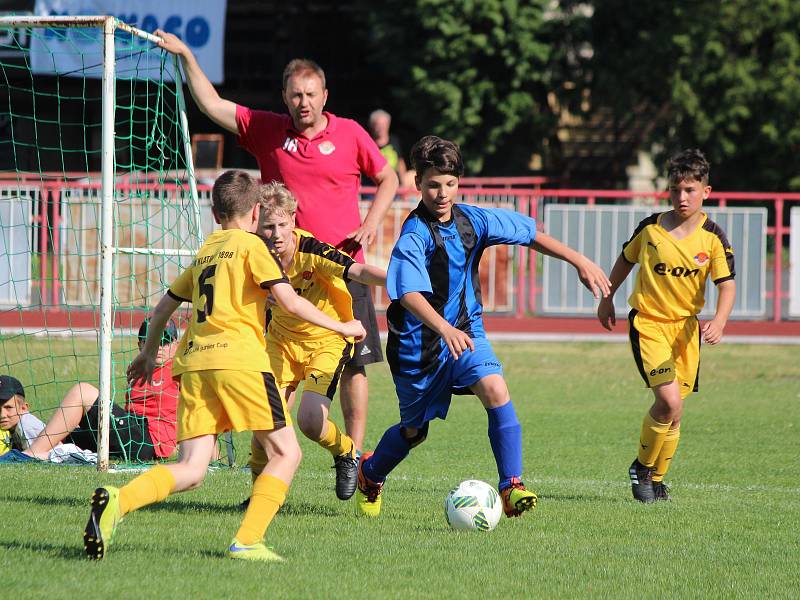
<point>288,451</point>
<point>309,426</point>
<point>196,474</point>
<point>414,437</point>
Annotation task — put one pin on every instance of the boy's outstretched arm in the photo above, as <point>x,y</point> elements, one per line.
<point>367,274</point>
<point>457,341</point>
<point>141,367</point>
<point>298,306</point>
<point>591,276</point>
<point>605,310</point>
<point>712,330</point>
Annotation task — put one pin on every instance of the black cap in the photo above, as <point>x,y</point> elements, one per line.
<point>170,332</point>
<point>9,387</point>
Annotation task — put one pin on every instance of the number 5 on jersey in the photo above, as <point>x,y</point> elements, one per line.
<point>206,288</point>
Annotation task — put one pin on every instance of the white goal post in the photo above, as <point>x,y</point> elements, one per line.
<point>110,171</point>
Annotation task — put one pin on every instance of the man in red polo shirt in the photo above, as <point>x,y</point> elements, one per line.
<point>320,157</point>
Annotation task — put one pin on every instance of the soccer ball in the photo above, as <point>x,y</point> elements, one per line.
<point>473,504</point>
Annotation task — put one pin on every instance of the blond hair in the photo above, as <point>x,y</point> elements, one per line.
<point>276,197</point>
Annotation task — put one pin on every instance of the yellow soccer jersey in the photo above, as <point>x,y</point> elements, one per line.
<point>671,283</point>
<point>318,273</point>
<point>5,441</point>
<point>226,284</point>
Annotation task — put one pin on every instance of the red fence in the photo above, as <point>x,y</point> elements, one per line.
<point>524,194</point>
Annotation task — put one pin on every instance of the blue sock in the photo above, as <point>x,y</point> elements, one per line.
<point>391,451</point>
<point>505,435</point>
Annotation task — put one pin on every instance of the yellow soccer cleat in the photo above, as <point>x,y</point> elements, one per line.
<point>516,499</point>
<point>368,498</point>
<point>103,521</point>
<point>257,551</point>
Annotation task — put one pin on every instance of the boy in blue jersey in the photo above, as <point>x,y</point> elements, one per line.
<point>437,344</point>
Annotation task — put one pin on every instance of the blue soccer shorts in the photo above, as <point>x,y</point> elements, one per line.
<point>427,396</point>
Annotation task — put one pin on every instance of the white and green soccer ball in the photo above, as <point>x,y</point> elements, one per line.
<point>473,504</point>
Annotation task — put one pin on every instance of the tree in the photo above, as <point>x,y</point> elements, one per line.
<point>723,76</point>
<point>473,71</point>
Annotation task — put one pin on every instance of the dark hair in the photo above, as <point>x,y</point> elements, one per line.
<point>169,335</point>
<point>434,152</point>
<point>298,66</point>
<point>688,164</point>
<point>234,193</point>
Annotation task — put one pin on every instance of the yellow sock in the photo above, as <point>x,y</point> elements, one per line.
<point>334,441</point>
<point>651,439</point>
<point>668,449</point>
<point>258,459</point>
<point>268,496</point>
<point>148,488</point>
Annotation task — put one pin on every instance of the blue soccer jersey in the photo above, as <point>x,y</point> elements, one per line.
<point>440,260</point>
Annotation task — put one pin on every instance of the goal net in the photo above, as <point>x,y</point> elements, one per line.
<point>98,213</point>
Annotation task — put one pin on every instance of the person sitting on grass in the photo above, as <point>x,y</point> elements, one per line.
<point>142,431</point>
<point>18,427</point>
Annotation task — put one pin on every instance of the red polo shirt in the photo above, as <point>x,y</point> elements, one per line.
<point>323,172</point>
<point>158,401</point>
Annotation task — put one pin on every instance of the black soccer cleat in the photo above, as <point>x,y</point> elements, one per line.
<point>346,467</point>
<point>641,482</point>
<point>660,490</point>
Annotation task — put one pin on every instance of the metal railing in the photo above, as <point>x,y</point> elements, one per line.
<point>510,277</point>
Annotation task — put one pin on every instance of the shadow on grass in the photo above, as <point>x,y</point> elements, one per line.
<point>594,498</point>
<point>292,507</point>
<point>70,501</point>
<point>71,552</point>
<point>180,506</point>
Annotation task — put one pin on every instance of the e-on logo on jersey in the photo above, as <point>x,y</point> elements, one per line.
<point>663,269</point>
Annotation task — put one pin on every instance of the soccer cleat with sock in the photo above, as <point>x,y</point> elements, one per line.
<point>346,466</point>
<point>256,552</point>
<point>369,493</point>
<point>660,490</point>
<point>517,499</point>
<point>103,521</point>
<point>641,482</point>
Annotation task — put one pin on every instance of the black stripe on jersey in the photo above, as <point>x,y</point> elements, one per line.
<point>395,314</point>
<point>346,355</point>
<point>715,229</point>
<point>466,232</point>
<point>636,348</point>
<point>176,298</point>
<point>310,245</point>
<point>651,220</point>
<point>268,284</point>
<point>274,399</point>
<point>439,270</point>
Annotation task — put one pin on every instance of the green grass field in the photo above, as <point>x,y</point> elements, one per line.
<point>729,532</point>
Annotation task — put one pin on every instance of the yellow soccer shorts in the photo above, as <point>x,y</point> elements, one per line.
<point>220,400</point>
<point>666,350</point>
<point>317,363</point>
